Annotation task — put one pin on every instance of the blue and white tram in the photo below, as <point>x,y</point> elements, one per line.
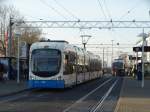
<point>57,64</point>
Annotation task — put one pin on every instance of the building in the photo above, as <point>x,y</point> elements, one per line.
<point>146,55</point>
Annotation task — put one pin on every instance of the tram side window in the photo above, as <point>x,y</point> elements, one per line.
<point>68,66</point>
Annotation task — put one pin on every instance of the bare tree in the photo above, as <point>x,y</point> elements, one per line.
<point>5,13</point>
<point>3,27</point>
<point>29,35</point>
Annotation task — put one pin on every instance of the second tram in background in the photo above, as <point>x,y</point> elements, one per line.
<point>118,67</point>
<point>57,64</point>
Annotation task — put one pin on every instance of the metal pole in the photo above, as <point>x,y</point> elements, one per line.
<point>84,46</point>
<point>18,62</point>
<point>142,84</point>
<point>136,59</point>
<point>118,50</point>
<point>10,37</point>
<point>112,52</point>
<point>103,57</point>
<point>136,64</point>
<point>9,47</point>
<point>107,57</point>
<point>103,60</point>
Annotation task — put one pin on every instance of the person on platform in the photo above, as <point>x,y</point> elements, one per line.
<point>1,71</point>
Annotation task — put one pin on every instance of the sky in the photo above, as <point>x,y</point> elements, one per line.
<point>87,10</point>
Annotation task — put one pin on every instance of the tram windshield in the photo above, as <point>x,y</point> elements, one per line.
<point>118,65</point>
<point>46,62</point>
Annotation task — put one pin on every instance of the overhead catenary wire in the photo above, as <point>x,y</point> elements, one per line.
<point>101,7</point>
<point>49,6</point>
<point>130,10</point>
<point>69,12</point>
<point>107,10</point>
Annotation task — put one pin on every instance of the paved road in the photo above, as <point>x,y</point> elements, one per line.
<point>99,95</point>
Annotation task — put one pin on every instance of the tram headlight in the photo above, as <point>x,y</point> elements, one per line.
<point>31,78</point>
<point>59,78</point>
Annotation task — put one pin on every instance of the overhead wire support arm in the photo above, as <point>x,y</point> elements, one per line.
<point>85,24</point>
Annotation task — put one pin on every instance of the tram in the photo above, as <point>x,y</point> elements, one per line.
<point>118,67</point>
<point>58,64</point>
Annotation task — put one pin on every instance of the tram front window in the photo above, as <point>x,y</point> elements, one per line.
<point>118,65</point>
<point>46,62</point>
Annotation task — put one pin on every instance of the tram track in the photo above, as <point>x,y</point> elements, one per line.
<point>100,103</point>
<point>59,100</point>
<point>85,104</point>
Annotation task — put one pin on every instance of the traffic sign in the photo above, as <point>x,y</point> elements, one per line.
<point>139,49</point>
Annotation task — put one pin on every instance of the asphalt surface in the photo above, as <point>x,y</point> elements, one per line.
<point>100,95</point>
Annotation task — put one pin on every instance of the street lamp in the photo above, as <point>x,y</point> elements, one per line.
<point>18,34</point>
<point>118,49</point>
<point>84,40</point>
<point>144,36</point>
